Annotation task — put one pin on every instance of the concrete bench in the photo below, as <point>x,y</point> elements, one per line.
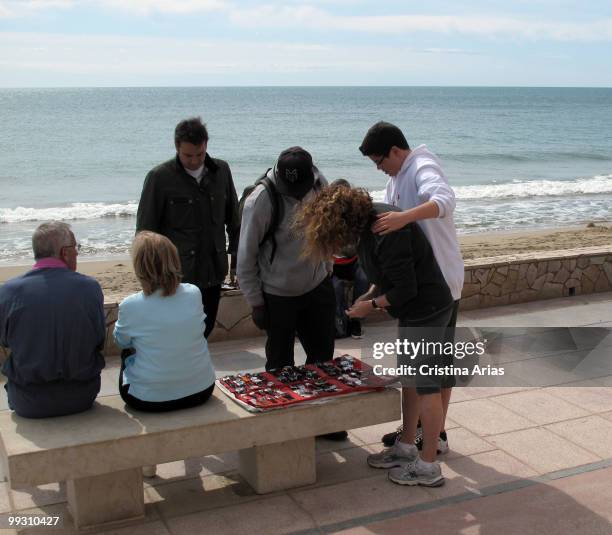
<point>99,453</point>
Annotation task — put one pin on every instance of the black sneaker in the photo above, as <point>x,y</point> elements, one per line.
<point>442,441</point>
<point>389,439</point>
<point>355,329</point>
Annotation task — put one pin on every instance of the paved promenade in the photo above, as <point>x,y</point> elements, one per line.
<point>522,460</point>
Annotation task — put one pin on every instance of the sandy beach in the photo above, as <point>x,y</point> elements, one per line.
<point>118,280</point>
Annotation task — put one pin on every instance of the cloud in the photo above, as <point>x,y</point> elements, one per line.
<point>146,7</point>
<point>20,8</point>
<point>317,15</point>
<point>306,16</point>
<point>90,60</point>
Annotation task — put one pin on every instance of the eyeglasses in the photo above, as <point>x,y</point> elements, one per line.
<point>77,246</point>
<point>379,161</point>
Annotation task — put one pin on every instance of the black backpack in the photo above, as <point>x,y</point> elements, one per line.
<point>277,207</point>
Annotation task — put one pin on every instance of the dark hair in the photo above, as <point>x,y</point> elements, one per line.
<point>191,130</point>
<point>340,183</point>
<point>381,137</point>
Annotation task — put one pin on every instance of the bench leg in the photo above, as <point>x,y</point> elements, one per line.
<point>107,498</point>
<point>279,466</point>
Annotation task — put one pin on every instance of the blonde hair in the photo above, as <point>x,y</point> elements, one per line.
<point>156,263</point>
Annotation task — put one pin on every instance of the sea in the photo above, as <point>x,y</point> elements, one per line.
<point>517,158</point>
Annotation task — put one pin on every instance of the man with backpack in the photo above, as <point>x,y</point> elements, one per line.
<point>289,294</point>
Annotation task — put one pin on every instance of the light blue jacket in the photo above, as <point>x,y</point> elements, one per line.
<point>172,359</point>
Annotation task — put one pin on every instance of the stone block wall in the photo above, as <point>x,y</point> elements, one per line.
<point>523,278</point>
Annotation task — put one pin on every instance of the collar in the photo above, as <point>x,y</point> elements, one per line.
<point>406,163</point>
<point>209,164</point>
<point>49,263</point>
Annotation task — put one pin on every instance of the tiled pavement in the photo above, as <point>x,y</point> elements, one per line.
<point>522,460</point>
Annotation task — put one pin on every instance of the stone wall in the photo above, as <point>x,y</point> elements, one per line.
<point>488,282</point>
<point>530,277</point>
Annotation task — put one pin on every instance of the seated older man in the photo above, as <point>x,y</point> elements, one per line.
<point>52,319</point>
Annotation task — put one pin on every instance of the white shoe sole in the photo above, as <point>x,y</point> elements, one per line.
<point>389,464</point>
<point>436,482</point>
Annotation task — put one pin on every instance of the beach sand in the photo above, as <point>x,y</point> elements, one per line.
<point>118,280</point>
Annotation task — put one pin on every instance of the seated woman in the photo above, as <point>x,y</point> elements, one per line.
<point>408,284</point>
<point>171,367</point>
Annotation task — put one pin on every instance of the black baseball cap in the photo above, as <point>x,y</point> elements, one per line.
<point>293,172</point>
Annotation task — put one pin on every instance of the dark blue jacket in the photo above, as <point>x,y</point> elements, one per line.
<point>52,319</point>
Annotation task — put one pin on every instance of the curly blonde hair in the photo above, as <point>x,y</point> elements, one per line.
<point>333,219</point>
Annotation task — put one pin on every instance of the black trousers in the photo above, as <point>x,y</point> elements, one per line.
<point>210,301</point>
<point>160,406</point>
<point>310,316</point>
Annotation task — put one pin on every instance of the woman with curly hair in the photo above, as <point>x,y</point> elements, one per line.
<point>408,284</point>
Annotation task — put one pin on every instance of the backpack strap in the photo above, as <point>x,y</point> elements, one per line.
<point>270,188</point>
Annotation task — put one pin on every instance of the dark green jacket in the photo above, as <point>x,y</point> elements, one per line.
<point>194,217</point>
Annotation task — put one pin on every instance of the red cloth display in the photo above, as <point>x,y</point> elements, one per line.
<point>296,384</point>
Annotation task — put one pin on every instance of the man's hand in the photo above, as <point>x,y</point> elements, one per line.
<point>390,222</point>
<point>260,317</point>
<point>369,295</point>
<point>360,309</point>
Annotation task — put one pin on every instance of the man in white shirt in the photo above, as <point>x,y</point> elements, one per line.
<point>419,187</point>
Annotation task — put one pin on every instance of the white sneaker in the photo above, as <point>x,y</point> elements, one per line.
<point>396,455</point>
<point>418,473</point>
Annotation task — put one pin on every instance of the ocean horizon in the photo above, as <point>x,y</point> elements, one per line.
<point>517,158</point>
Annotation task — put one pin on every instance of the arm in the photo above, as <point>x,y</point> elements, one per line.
<point>4,317</point>
<point>437,200</point>
<point>397,264</point>
<point>255,222</point>
<point>101,319</point>
<point>392,221</point>
<point>121,330</point>
<point>372,292</point>
<point>232,221</point>
<point>150,207</point>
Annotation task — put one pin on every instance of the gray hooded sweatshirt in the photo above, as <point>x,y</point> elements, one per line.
<point>290,274</point>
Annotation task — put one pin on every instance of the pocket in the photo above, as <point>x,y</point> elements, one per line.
<point>182,212</point>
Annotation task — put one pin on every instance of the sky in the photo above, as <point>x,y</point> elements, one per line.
<point>100,43</point>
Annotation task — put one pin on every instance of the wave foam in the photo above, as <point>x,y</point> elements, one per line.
<point>597,185</point>
<point>80,210</point>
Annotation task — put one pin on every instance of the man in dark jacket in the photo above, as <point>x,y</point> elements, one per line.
<point>52,319</point>
<point>191,199</point>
